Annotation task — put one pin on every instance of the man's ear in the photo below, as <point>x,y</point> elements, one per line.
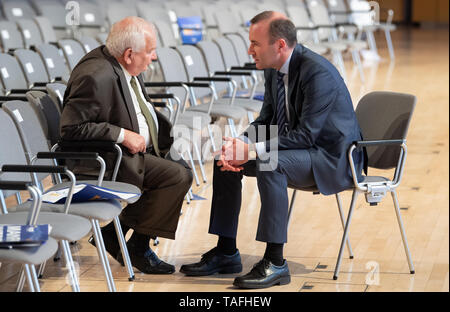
<point>282,44</point>
<point>127,56</point>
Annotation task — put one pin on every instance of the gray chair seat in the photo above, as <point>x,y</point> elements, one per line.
<point>187,119</point>
<point>102,210</point>
<point>356,44</point>
<point>339,46</point>
<point>113,185</point>
<point>220,110</point>
<point>64,226</point>
<point>373,179</point>
<point>245,103</point>
<point>31,255</point>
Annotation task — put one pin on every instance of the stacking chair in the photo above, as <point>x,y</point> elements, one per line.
<point>73,51</point>
<point>307,34</point>
<point>116,11</point>
<point>12,77</point>
<point>166,34</point>
<point>55,12</point>
<point>88,43</point>
<point>384,118</point>
<point>94,211</point>
<point>32,67</point>
<point>28,256</point>
<point>65,227</point>
<point>173,71</point>
<point>56,92</point>
<point>46,29</point>
<point>54,62</point>
<point>10,37</point>
<point>16,10</point>
<point>30,33</point>
<point>92,20</point>
<point>328,33</point>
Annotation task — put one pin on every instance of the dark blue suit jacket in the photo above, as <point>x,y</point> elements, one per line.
<point>322,118</point>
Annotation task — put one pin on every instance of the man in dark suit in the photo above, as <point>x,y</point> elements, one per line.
<point>106,100</point>
<point>308,105</point>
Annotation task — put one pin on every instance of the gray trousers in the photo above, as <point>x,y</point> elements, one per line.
<point>293,167</point>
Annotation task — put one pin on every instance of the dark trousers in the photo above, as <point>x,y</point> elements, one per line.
<point>157,212</point>
<point>293,167</point>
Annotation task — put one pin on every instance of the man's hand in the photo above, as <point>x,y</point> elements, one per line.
<point>234,155</point>
<point>134,142</point>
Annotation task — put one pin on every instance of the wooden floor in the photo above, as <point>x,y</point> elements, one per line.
<point>421,68</point>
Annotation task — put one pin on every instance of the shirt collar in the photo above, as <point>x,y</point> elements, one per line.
<point>285,68</point>
<point>126,73</point>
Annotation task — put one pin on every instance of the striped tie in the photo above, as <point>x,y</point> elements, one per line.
<point>148,117</point>
<point>281,105</point>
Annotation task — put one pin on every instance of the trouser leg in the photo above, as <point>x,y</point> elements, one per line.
<point>157,212</point>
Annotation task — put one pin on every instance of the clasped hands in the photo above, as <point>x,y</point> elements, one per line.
<point>233,155</point>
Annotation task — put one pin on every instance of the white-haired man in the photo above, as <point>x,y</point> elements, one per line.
<point>106,100</point>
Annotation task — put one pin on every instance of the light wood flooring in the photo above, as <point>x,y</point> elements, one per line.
<point>421,68</point>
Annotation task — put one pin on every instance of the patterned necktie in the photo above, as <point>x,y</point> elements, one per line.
<point>148,117</point>
<point>281,105</point>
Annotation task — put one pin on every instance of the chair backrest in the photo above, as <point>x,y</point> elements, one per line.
<point>166,33</point>
<point>195,66</point>
<point>172,69</point>
<point>12,151</point>
<point>336,7</point>
<point>15,10</point>
<point>73,52</point>
<point>319,16</point>
<point>385,115</point>
<point>30,32</point>
<point>299,16</point>
<point>11,73</point>
<point>32,66</point>
<point>88,43</point>
<point>212,55</point>
<point>239,47</point>
<point>117,11</point>
<point>29,125</point>
<point>56,92</point>
<point>101,38</point>
<point>228,54</point>
<point>361,13</point>
<point>54,62</point>
<point>45,27</point>
<point>50,114</point>
<point>53,10</point>
<point>10,37</point>
<point>227,22</point>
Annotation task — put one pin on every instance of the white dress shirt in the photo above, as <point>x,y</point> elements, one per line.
<point>260,147</point>
<point>143,127</point>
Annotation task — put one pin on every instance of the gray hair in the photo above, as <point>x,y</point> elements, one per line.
<point>128,33</point>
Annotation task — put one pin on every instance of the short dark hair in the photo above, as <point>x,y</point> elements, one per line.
<point>280,28</point>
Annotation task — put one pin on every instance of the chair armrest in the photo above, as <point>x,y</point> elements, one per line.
<point>306,28</point>
<point>66,155</point>
<point>216,79</point>
<point>233,73</point>
<point>34,168</point>
<point>163,84</point>
<point>360,144</point>
<point>15,185</point>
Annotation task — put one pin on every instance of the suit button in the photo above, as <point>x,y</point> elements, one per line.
<point>140,171</point>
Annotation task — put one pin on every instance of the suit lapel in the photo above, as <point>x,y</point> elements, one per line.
<point>125,91</point>
<point>294,73</point>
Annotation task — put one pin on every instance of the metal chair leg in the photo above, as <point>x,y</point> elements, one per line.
<point>357,60</point>
<point>342,215</point>
<point>102,254</point>
<point>31,283</point>
<point>70,266</point>
<point>402,231</point>
<point>194,171</point>
<point>345,235</point>
<point>21,280</point>
<point>42,269</point>
<point>387,34</point>
<point>124,249</point>
<point>291,206</point>
<point>197,154</point>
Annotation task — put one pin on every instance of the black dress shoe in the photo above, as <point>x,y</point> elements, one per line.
<point>111,245</point>
<point>264,274</point>
<point>147,261</point>
<point>212,262</point>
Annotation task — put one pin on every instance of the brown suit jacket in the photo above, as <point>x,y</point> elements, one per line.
<point>97,103</point>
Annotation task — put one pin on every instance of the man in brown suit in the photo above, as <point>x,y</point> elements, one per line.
<point>106,100</point>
